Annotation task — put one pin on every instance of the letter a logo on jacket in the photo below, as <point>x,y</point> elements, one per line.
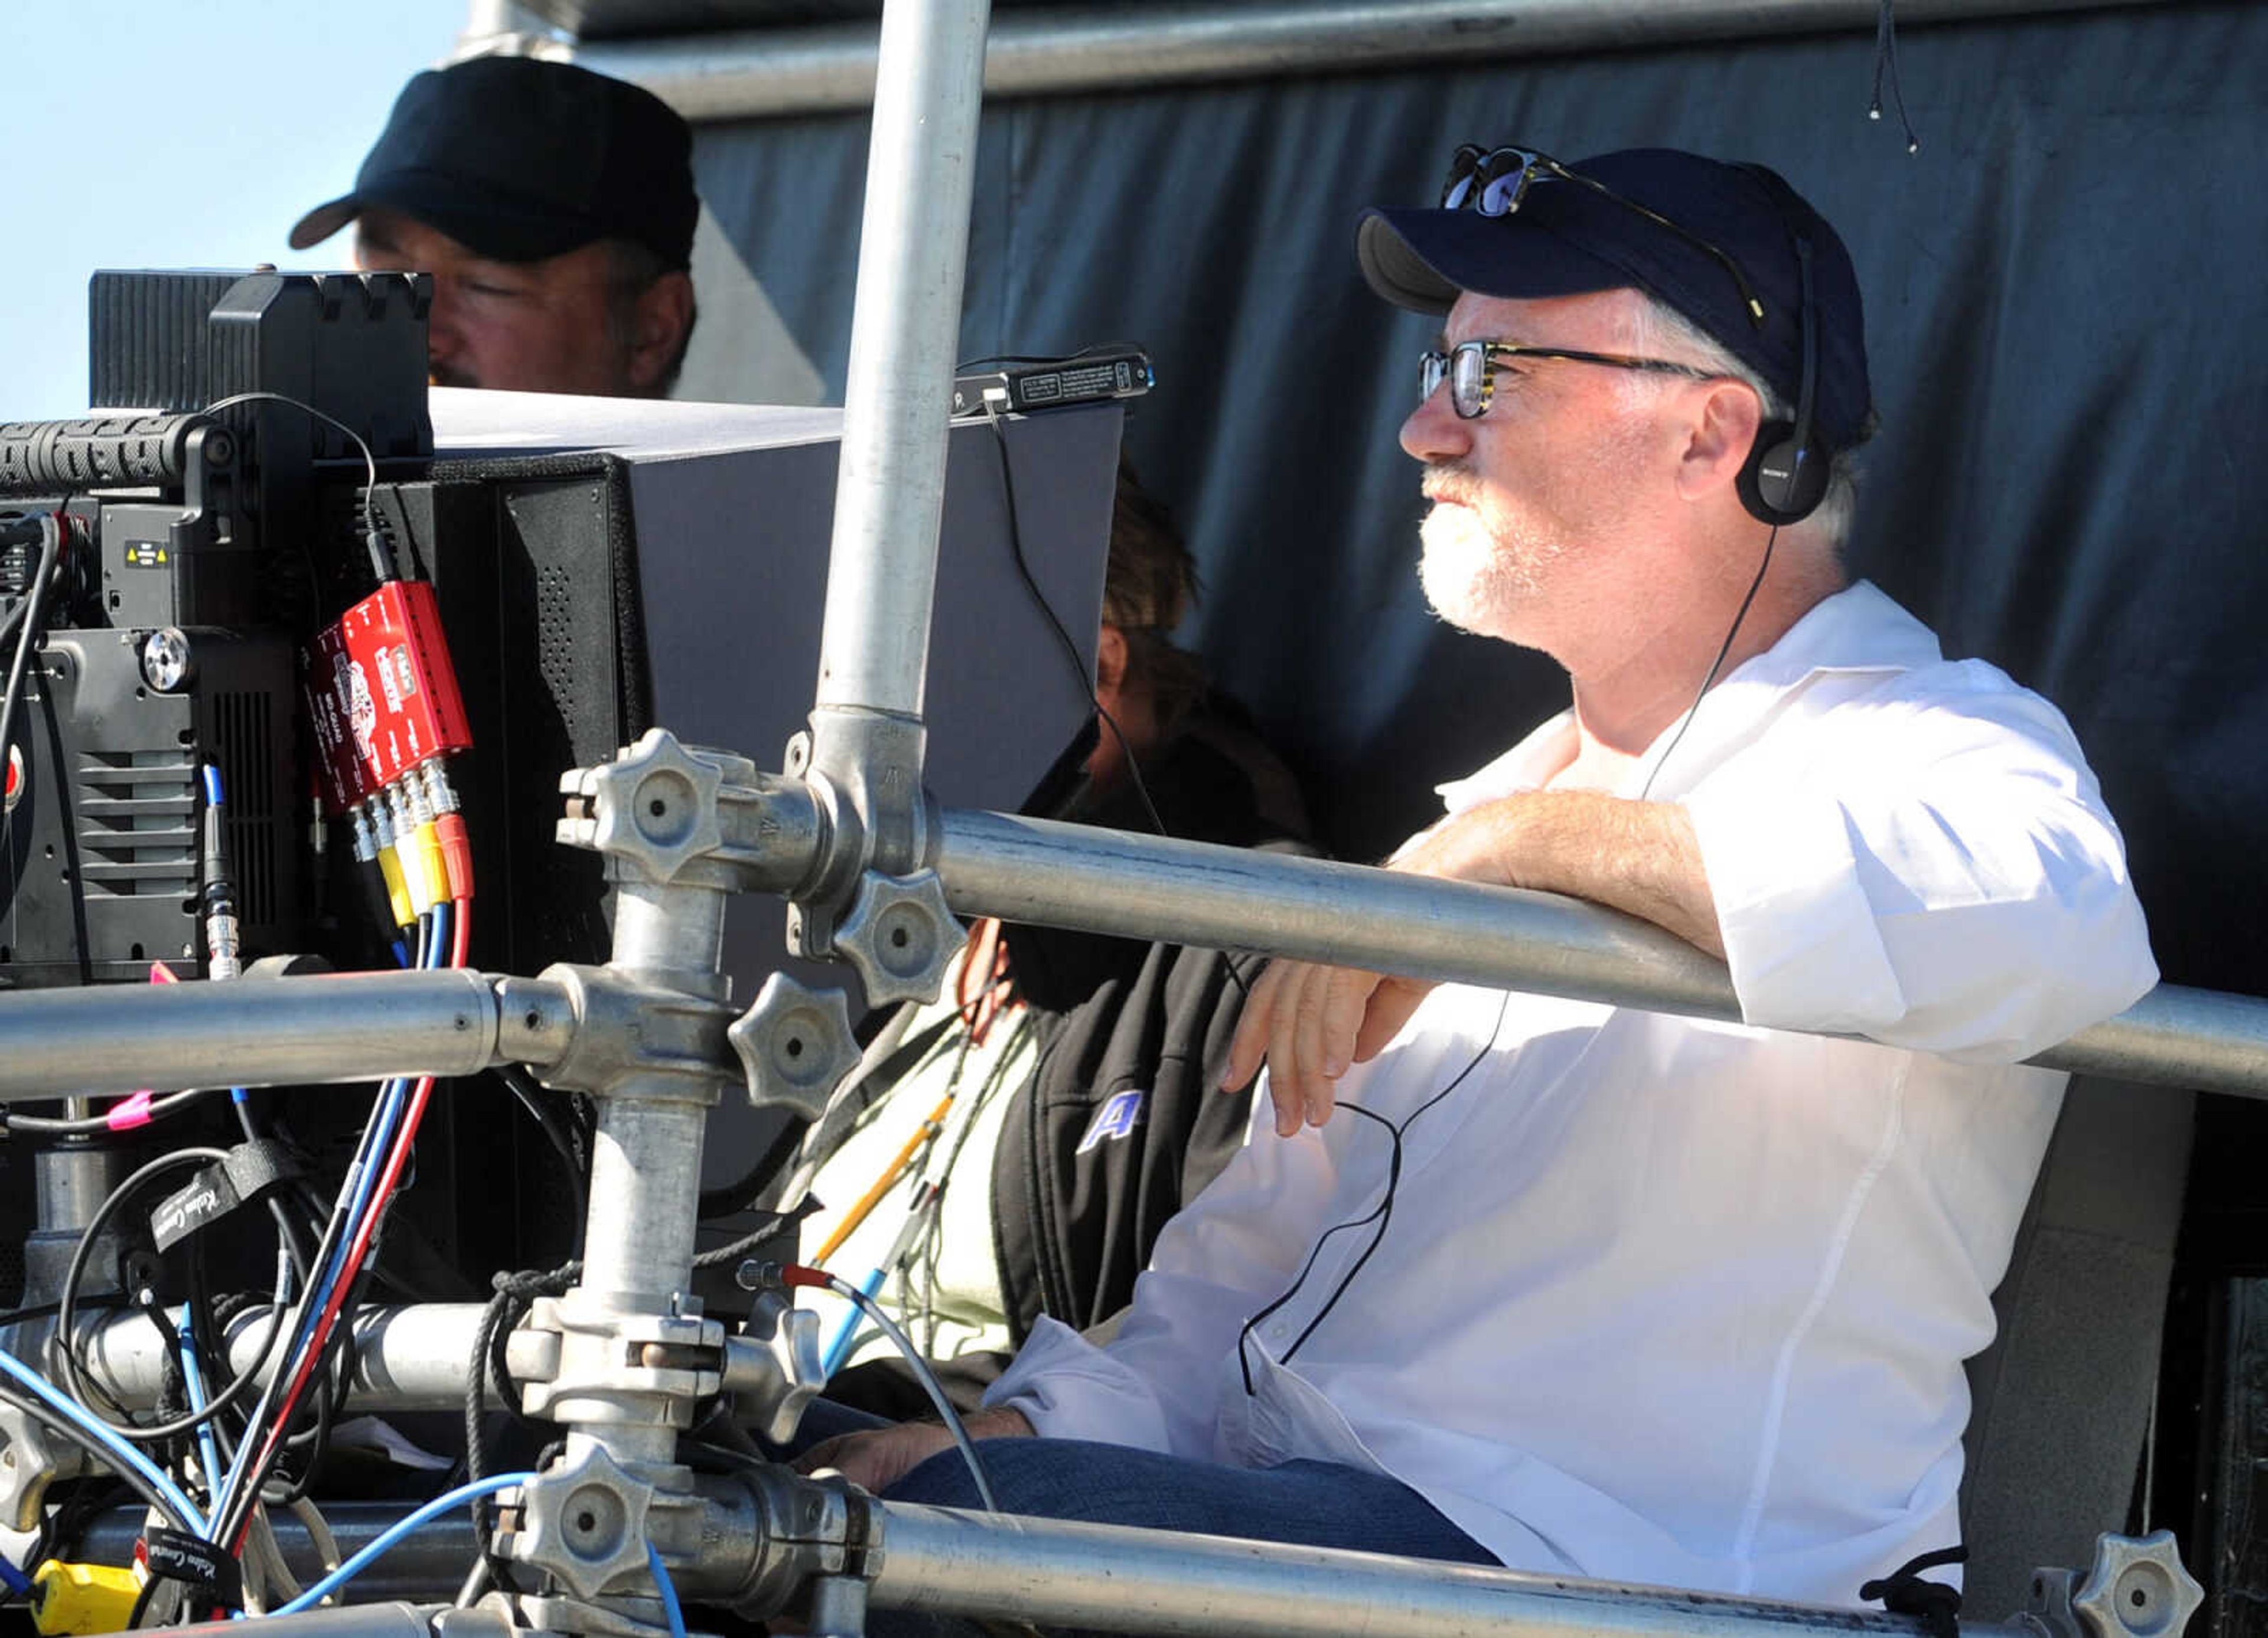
<point>1116,1118</point>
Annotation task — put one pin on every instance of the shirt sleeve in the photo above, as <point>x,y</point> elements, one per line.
<point>1157,1384</point>
<point>1931,871</point>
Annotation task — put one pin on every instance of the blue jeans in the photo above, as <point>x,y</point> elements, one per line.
<point>1318,1504</point>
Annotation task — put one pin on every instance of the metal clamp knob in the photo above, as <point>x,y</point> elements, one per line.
<point>652,810</point>
<point>587,1522</point>
<point>900,935</point>
<point>795,1044</point>
<point>2136,1587</point>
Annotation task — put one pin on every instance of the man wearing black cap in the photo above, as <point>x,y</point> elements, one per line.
<point>1585,1289</point>
<point>555,209</point>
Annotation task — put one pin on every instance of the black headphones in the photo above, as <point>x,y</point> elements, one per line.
<point>1784,477</point>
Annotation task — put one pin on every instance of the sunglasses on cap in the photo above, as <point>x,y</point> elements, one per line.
<point>1493,181</point>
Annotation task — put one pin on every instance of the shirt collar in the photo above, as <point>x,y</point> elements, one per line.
<point>1858,629</point>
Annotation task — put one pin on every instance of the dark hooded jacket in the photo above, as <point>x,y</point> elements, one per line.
<point>1121,1122</point>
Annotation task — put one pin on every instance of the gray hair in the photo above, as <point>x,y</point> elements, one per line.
<point>1658,330</point>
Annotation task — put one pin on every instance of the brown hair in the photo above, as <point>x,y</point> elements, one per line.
<point>1149,583</point>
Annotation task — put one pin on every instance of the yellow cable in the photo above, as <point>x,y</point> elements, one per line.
<point>428,877</point>
<point>397,890</point>
<point>883,1184</point>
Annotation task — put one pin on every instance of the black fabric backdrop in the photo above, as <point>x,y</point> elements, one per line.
<point>2068,317</point>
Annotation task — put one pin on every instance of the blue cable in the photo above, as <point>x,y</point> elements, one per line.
<point>208,1451</point>
<point>670,1607</point>
<point>361,1184</point>
<point>18,1584</point>
<point>362,1180</point>
<point>235,1094</point>
<point>392,1534</point>
<point>917,1215</point>
<point>361,1177</point>
<point>838,1346</point>
<point>117,1449</point>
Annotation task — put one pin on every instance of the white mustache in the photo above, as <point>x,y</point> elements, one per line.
<point>1451,484</point>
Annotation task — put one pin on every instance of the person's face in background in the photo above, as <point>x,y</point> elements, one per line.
<point>562,325</point>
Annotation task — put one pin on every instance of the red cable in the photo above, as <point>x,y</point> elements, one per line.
<point>461,939</point>
<point>327,1320</point>
<point>456,853</point>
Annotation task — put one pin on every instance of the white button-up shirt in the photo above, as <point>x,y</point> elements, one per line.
<point>1668,1301</point>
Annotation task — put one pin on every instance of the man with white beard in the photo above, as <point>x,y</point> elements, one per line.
<point>1584,1289</point>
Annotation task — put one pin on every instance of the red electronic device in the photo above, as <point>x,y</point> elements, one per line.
<point>381,693</point>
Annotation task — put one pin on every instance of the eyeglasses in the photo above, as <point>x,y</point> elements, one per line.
<point>1470,368</point>
<point>1492,181</point>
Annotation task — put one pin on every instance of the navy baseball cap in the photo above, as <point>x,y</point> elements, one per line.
<point>1565,238</point>
<point>517,159</point>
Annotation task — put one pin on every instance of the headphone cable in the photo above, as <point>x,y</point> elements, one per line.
<point>1077,661</point>
<point>1710,676</point>
<point>1382,1213</point>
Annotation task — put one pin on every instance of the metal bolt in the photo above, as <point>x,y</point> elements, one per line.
<point>669,805</point>
<point>593,1521</point>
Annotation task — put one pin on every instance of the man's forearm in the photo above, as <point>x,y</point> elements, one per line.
<point>1641,857</point>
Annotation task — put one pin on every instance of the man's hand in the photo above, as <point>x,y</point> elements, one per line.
<point>1310,1023</point>
<point>876,1460</point>
<point>1313,1022</point>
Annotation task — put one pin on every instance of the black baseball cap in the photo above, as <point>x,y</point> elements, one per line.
<point>517,159</point>
<point>1569,239</point>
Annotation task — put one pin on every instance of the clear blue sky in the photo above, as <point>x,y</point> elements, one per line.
<point>178,134</point>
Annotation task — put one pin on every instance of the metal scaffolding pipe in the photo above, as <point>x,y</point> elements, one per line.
<point>1157,887</point>
<point>1052,1573</point>
<point>270,1031</point>
<point>364,1620</point>
<point>415,1358</point>
<point>428,1562</point>
<point>293,1030</point>
<point>905,332</point>
<point>1151,887</point>
<point>1036,51</point>
<point>2176,1036</point>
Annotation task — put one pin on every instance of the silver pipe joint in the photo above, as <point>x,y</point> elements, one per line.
<point>672,814</point>
<point>632,1037</point>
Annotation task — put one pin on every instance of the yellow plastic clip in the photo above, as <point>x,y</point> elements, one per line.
<point>83,1597</point>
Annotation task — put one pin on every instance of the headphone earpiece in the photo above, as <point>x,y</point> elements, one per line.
<point>1784,477</point>
<point>1782,481</point>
